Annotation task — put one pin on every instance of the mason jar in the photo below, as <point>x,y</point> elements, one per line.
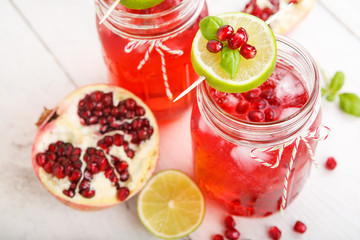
<point>250,166</point>
<point>148,51</point>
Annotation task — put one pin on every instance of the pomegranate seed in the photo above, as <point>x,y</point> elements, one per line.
<point>330,163</point>
<point>248,51</point>
<point>232,234</point>
<point>108,172</point>
<point>88,175</point>
<point>123,193</point>
<point>275,102</point>
<point>118,139</point>
<point>293,1</point>
<point>242,106</point>
<point>217,237</point>
<point>256,116</point>
<point>130,104</point>
<point>124,176</point>
<point>299,227</point>
<point>236,40</point>
<point>229,222</point>
<point>274,233</point>
<point>41,159</point>
<point>270,115</point>
<point>130,114</point>
<point>121,166</point>
<point>258,103</point>
<point>58,171</point>
<point>214,46</point>
<point>224,32</point>
<point>70,193</point>
<point>96,96</point>
<point>75,175</point>
<point>130,153</point>
<point>113,179</point>
<point>140,111</point>
<point>76,151</point>
<point>93,167</point>
<point>87,193</point>
<point>102,163</point>
<point>53,148</point>
<point>85,184</point>
<point>254,93</point>
<point>136,124</point>
<point>107,99</point>
<point>268,94</point>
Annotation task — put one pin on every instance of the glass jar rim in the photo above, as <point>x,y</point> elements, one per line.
<point>151,26</point>
<point>144,16</point>
<point>241,131</point>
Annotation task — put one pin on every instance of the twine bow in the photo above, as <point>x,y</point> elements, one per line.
<point>160,48</point>
<point>308,135</point>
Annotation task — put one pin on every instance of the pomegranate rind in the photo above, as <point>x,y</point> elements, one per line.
<point>292,16</point>
<point>67,127</point>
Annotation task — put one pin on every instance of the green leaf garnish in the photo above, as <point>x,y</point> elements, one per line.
<point>230,61</point>
<point>350,103</point>
<point>209,26</point>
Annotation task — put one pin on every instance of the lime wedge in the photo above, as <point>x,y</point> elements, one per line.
<point>252,72</point>
<point>140,4</point>
<point>171,205</point>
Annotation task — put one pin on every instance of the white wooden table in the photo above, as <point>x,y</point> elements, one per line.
<point>49,48</point>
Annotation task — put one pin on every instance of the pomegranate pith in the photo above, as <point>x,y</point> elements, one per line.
<point>99,150</point>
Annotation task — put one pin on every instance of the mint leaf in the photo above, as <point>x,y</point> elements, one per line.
<point>210,25</point>
<point>230,61</point>
<point>337,82</point>
<point>350,103</point>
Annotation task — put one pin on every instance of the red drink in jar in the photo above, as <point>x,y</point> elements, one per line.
<point>148,51</point>
<point>227,128</point>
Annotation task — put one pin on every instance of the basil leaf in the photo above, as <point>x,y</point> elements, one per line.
<point>210,25</point>
<point>323,91</point>
<point>330,97</point>
<point>337,82</point>
<point>230,61</point>
<point>350,103</point>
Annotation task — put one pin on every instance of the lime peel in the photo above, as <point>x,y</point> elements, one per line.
<point>171,206</point>
<point>140,4</point>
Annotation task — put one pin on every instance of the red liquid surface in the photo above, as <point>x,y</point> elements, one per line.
<point>226,172</point>
<point>148,82</point>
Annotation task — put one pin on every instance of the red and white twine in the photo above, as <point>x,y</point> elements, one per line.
<point>308,135</point>
<point>160,48</point>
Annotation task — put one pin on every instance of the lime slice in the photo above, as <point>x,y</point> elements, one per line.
<point>140,4</point>
<point>171,205</point>
<point>252,72</point>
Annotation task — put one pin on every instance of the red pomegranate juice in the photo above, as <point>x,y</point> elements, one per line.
<point>226,172</point>
<point>148,81</point>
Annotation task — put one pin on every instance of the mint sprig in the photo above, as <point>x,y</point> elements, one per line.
<point>348,102</point>
<point>230,59</point>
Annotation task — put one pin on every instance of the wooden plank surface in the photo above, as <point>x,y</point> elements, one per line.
<point>48,48</point>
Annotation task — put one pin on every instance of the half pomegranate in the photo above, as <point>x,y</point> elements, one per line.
<point>97,148</point>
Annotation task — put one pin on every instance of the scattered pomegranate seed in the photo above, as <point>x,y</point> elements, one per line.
<point>214,46</point>
<point>330,163</point>
<point>229,222</point>
<point>232,234</point>
<point>274,233</point>
<point>299,227</point>
<point>293,1</point>
<point>224,32</point>
<point>217,237</point>
<point>248,51</point>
